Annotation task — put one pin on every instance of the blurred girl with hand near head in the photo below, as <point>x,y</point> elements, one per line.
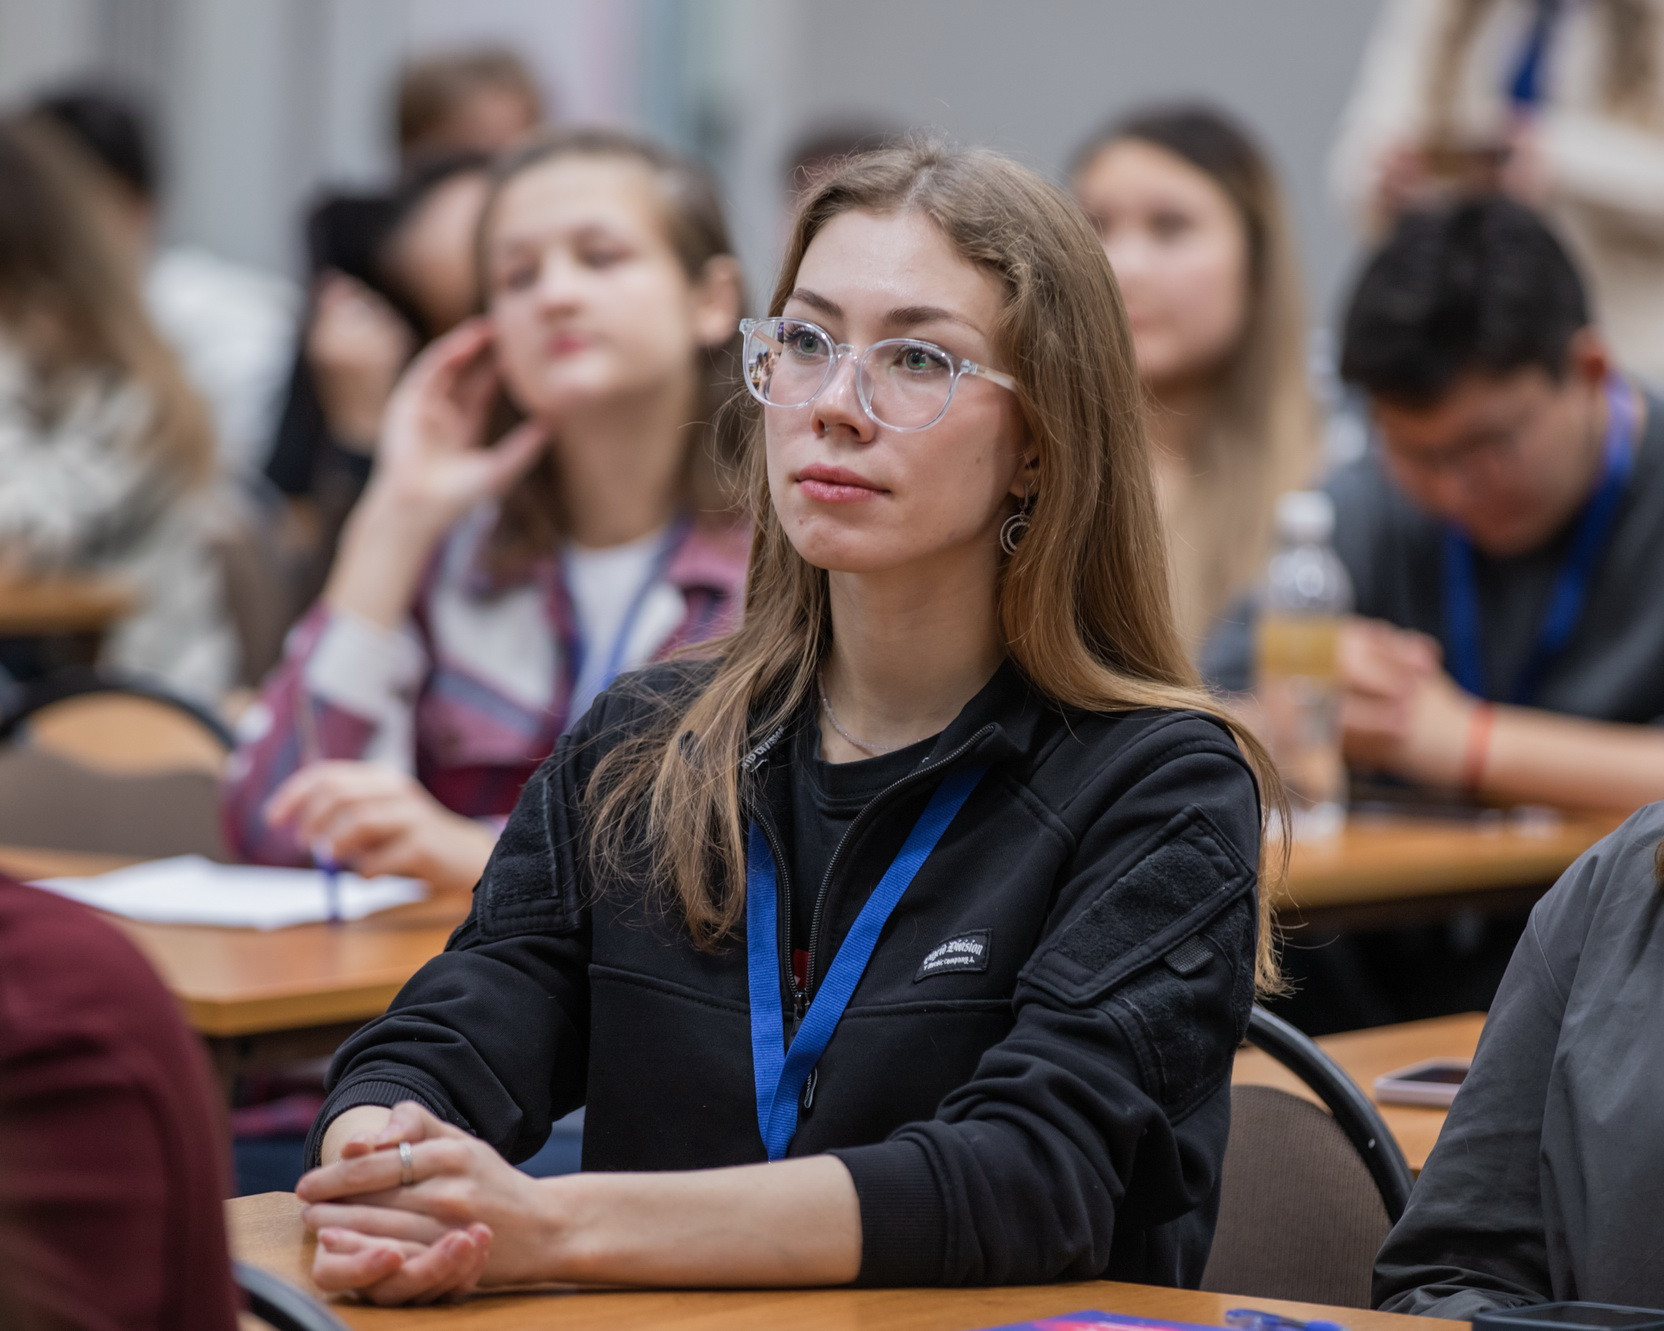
<point>1195,229</point>
<point>487,588</point>
<point>909,940</point>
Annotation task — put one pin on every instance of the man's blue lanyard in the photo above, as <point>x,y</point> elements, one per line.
<point>1570,592</point>
<point>780,1072</point>
<point>668,545</point>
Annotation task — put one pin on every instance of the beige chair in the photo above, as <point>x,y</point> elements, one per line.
<point>112,771</point>
<point>1299,1216</point>
<point>1309,1193</point>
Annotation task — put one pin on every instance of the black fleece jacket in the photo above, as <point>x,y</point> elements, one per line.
<point>1047,1098</point>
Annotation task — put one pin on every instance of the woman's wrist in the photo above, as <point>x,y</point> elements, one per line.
<point>384,548</point>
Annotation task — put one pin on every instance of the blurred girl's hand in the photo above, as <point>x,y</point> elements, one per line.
<point>374,819</point>
<point>433,461</point>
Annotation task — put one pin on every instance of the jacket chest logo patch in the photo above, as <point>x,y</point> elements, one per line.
<point>964,952</point>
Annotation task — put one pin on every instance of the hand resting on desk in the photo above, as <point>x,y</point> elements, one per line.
<point>472,1219</point>
<point>376,819</point>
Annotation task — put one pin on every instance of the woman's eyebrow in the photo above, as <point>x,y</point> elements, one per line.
<point>903,316</point>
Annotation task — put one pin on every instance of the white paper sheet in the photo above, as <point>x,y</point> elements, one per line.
<point>189,889</point>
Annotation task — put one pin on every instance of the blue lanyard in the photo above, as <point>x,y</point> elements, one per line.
<point>668,546</point>
<point>781,1073</point>
<point>1462,631</point>
<point>1525,87</point>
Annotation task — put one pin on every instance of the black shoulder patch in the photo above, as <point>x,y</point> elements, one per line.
<point>1189,876</point>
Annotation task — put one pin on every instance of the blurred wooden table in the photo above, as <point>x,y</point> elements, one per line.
<point>31,607</point>
<point>1365,1055</point>
<point>50,622</point>
<point>262,997</point>
<point>1393,870</point>
<point>266,1231</point>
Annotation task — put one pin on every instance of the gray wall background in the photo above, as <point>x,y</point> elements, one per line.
<point>263,102</point>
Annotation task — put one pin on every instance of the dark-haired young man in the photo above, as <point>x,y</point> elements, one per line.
<point>1506,541</point>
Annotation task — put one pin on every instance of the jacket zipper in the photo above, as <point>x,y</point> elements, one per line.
<point>783,871</point>
<point>837,855</point>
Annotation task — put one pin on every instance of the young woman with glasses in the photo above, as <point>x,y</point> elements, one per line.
<point>483,596</point>
<point>907,940</point>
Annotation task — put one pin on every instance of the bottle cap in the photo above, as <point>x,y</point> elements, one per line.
<point>1307,516</point>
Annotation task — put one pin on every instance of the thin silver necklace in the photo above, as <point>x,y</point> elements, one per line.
<point>874,749</point>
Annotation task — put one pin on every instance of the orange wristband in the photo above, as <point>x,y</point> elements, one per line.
<point>1480,723</point>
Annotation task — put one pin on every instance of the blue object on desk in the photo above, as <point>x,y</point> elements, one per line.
<point>1258,1319</point>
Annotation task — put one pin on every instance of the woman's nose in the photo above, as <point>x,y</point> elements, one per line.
<point>838,405</point>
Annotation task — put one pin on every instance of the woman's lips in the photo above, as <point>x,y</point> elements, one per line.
<point>567,344</point>
<point>836,485</point>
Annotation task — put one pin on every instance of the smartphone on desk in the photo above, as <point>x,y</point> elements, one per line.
<point>1433,1081</point>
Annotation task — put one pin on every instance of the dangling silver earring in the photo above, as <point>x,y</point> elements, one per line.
<point>1015,527</point>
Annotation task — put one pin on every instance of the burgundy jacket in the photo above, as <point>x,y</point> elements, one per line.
<point>113,1165</point>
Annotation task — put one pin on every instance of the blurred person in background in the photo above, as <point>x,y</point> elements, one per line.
<point>1198,236</point>
<point>105,452</point>
<point>448,107</point>
<point>485,593</point>
<point>232,326</point>
<point>112,1149</point>
<point>1556,103</point>
<point>1503,539</point>
<point>361,336</point>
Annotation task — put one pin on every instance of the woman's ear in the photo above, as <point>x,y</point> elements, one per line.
<point>716,301</point>
<point>1027,479</point>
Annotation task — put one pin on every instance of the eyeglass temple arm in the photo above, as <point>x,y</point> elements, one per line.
<point>999,377</point>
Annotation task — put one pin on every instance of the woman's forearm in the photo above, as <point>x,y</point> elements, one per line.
<point>1539,757</point>
<point>794,1222</point>
<point>384,549</point>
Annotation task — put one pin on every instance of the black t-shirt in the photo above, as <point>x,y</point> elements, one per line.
<point>826,799</point>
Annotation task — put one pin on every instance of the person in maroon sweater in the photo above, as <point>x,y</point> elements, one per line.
<point>113,1165</point>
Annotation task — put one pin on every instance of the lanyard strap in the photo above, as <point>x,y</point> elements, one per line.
<point>1570,592</point>
<point>668,545</point>
<point>1525,87</point>
<point>781,1073</point>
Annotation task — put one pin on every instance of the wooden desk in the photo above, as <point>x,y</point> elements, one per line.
<point>1365,1055</point>
<point>265,997</point>
<point>60,605</point>
<point>1383,871</point>
<point>266,1231</point>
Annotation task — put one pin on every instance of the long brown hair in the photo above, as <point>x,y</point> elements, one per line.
<point>1261,437</point>
<point>533,519</point>
<point>70,302</point>
<point>1083,603</point>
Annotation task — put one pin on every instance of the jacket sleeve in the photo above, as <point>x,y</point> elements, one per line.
<point>524,949</point>
<point>1474,1236</point>
<point>360,683</point>
<point>1102,1108</point>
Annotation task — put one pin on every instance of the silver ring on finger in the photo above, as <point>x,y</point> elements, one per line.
<point>407,1166</point>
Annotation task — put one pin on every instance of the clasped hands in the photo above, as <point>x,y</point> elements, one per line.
<point>1400,711</point>
<point>468,1218</point>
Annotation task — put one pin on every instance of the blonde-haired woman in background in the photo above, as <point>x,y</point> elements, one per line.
<point>1196,232</point>
<point>105,453</point>
<point>1555,103</point>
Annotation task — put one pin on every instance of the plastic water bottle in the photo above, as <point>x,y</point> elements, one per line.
<point>1307,592</point>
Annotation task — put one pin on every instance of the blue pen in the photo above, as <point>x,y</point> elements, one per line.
<point>1258,1319</point>
<point>326,865</point>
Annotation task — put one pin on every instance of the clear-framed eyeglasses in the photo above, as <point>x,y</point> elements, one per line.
<point>904,383</point>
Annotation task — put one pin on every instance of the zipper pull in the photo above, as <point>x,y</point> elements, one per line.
<point>808,1101</point>
<point>799,1006</point>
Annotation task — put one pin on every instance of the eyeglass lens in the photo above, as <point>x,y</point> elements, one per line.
<point>903,383</point>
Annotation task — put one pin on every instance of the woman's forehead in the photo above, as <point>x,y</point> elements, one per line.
<point>869,265</point>
<point>575,191</point>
